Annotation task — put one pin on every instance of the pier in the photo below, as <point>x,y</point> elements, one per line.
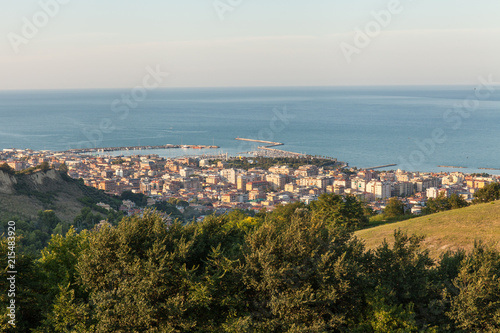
<point>269,143</point>
<point>380,167</point>
<point>268,151</point>
<point>108,149</point>
<point>272,152</point>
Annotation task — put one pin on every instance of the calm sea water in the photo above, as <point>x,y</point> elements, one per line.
<point>364,126</point>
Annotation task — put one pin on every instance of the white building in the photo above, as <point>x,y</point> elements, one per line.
<point>229,175</point>
<point>359,184</point>
<point>379,189</point>
<point>432,192</point>
<point>186,172</point>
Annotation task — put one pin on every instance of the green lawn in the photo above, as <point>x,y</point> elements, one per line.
<point>444,231</point>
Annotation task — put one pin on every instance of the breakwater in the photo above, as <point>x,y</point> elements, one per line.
<point>452,166</point>
<point>109,149</point>
<point>273,152</point>
<point>268,151</point>
<point>380,166</point>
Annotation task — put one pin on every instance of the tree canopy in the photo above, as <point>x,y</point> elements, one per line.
<point>296,269</point>
<point>490,192</point>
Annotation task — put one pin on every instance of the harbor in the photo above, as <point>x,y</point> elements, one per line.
<point>148,147</point>
<point>268,151</point>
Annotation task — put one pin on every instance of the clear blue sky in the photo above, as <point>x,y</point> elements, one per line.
<point>108,44</point>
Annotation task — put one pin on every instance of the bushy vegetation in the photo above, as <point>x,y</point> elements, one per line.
<point>138,198</point>
<point>93,196</point>
<point>247,163</point>
<point>296,269</point>
<point>442,203</point>
<point>490,192</point>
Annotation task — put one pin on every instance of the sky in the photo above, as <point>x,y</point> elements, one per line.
<point>90,44</point>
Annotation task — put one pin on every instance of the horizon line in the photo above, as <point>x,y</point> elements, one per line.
<point>253,86</point>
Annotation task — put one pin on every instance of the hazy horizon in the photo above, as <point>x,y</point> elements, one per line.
<point>252,87</point>
<point>64,44</point>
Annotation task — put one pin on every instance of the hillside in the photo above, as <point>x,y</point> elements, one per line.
<point>444,231</point>
<point>25,194</point>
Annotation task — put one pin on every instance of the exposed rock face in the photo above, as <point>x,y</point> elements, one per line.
<point>47,181</point>
<point>25,195</point>
<point>7,183</point>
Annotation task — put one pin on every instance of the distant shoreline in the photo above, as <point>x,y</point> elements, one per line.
<point>167,146</point>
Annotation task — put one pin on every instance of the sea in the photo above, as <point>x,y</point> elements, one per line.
<point>418,128</point>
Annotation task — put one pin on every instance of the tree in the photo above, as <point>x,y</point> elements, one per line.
<point>401,276</point>
<point>44,166</point>
<point>138,198</point>
<point>59,258</point>
<point>338,211</point>
<point>385,316</point>
<point>394,208</point>
<point>145,276</point>
<point>456,201</point>
<point>435,205</point>
<point>299,277</point>
<point>7,168</point>
<point>442,203</point>
<point>58,266</point>
<point>490,192</point>
<point>47,221</point>
<point>169,209</point>
<point>476,307</point>
<point>63,168</point>
<point>86,220</point>
<point>30,290</point>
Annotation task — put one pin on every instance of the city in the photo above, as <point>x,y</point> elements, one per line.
<point>219,185</point>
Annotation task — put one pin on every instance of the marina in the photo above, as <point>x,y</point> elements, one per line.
<point>271,152</point>
<point>167,146</point>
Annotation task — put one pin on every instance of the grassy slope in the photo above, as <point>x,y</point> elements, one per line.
<point>444,231</point>
<point>64,202</point>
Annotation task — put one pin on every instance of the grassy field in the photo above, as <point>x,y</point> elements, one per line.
<point>40,191</point>
<point>444,231</point>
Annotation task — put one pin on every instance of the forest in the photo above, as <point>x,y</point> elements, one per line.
<point>296,269</point>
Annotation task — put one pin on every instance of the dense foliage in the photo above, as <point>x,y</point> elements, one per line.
<point>247,163</point>
<point>490,192</point>
<point>442,203</point>
<point>296,269</point>
<point>394,208</point>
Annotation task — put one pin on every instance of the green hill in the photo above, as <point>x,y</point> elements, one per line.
<point>450,230</point>
<point>24,195</point>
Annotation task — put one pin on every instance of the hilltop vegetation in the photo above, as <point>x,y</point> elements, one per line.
<point>448,230</point>
<point>25,194</point>
<point>44,202</point>
<point>247,163</point>
<point>297,269</point>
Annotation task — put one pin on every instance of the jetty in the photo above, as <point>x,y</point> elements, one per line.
<point>109,149</point>
<point>269,143</point>
<point>380,167</point>
<point>267,150</point>
<point>272,152</point>
<point>452,166</point>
